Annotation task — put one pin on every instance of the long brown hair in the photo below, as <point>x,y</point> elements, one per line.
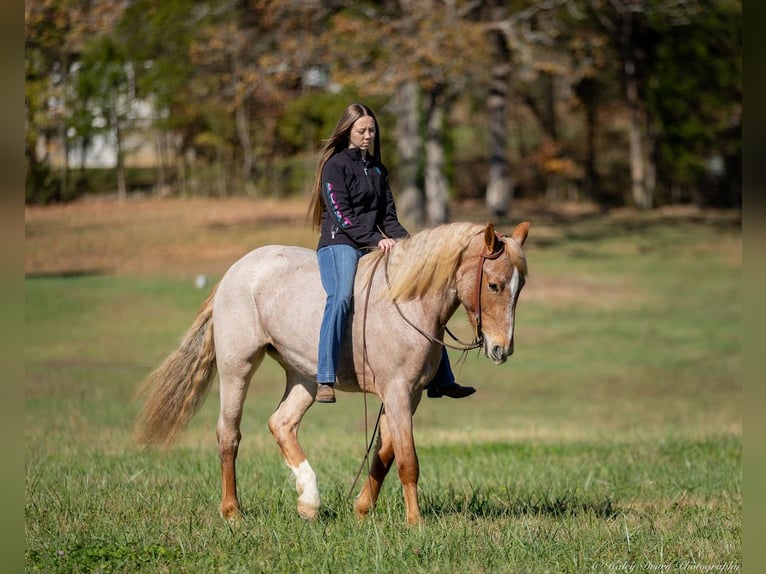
<point>338,141</point>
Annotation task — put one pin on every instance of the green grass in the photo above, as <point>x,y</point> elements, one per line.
<point>612,437</point>
<point>487,507</point>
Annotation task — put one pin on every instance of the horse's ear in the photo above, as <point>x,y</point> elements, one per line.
<point>489,238</point>
<point>520,232</point>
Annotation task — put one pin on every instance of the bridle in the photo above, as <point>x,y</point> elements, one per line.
<point>498,248</point>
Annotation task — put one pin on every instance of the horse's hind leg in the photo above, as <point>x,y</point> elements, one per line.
<point>234,380</point>
<point>381,464</point>
<point>284,424</point>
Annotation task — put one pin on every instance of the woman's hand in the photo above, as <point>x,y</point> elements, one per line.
<point>386,244</point>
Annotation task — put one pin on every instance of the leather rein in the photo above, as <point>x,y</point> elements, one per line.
<point>498,249</point>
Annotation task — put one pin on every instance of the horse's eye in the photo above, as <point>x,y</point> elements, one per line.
<point>494,287</point>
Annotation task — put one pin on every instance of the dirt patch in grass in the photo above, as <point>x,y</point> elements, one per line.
<point>156,236</point>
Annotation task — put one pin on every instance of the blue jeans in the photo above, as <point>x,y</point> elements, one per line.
<point>337,269</point>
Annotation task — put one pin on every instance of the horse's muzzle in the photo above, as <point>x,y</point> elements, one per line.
<point>498,353</point>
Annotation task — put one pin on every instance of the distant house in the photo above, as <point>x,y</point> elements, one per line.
<point>140,144</point>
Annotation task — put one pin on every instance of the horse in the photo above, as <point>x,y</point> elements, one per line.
<point>271,302</point>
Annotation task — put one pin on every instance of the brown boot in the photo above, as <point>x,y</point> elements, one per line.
<point>453,391</point>
<point>325,393</point>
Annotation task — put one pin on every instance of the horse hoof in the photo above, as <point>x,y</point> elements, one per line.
<point>230,513</point>
<point>362,511</point>
<point>307,512</point>
<point>414,520</point>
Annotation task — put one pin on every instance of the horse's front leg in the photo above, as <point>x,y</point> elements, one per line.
<point>400,405</point>
<point>381,464</point>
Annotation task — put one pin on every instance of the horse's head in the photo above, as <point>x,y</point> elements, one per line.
<point>492,276</point>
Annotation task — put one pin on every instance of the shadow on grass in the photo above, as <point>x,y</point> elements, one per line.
<point>598,226</point>
<point>68,273</point>
<point>472,506</point>
<point>481,505</point>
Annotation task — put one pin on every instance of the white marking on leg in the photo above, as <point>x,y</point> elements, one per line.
<point>306,485</point>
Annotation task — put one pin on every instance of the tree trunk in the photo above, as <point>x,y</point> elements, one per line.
<point>179,153</point>
<point>543,106</point>
<point>437,196</point>
<point>245,142</point>
<point>639,192</point>
<point>499,185</point>
<point>220,166</point>
<point>160,186</point>
<point>650,161</point>
<point>549,105</point>
<point>637,175</point>
<point>587,90</point>
<point>122,189</point>
<point>64,183</point>
<point>411,202</point>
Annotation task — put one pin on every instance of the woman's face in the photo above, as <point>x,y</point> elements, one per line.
<point>362,133</point>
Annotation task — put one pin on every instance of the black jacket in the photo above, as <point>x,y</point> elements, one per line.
<point>358,203</point>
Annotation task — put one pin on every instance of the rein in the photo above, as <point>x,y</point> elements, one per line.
<point>464,347</point>
<point>497,251</point>
<point>367,439</point>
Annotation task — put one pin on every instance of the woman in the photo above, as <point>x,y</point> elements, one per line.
<point>353,209</point>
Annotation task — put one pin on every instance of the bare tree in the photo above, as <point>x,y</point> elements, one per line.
<point>499,183</point>
<point>437,190</point>
<point>410,146</point>
<point>429,46</point>
<point>525,37</point>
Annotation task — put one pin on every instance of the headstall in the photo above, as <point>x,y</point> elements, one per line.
<point>498,248</point>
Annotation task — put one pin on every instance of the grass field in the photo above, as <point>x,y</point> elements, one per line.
<point>610,441</point>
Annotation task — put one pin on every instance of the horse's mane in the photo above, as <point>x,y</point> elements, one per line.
<point>427,261</point>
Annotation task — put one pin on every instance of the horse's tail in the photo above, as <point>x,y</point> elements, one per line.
<point>177,388</point>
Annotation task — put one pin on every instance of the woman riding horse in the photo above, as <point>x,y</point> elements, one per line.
<point>353,209</point>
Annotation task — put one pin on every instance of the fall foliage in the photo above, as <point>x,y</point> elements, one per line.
<point>616,102</point>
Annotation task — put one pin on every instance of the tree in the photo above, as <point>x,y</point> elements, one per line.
<point>534,36</point>
<point>51,47</point>
<point>499,184</point>
<point>566,90</point>
<point>432,44</point>
<point>57,33</point>
<point>409,146</point>
<point>157,36</point>
<point>105,97</point>
<point>698,138</point>
<point>625,24</point>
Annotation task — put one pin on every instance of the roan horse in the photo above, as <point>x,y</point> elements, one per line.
<point>271,301</point>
